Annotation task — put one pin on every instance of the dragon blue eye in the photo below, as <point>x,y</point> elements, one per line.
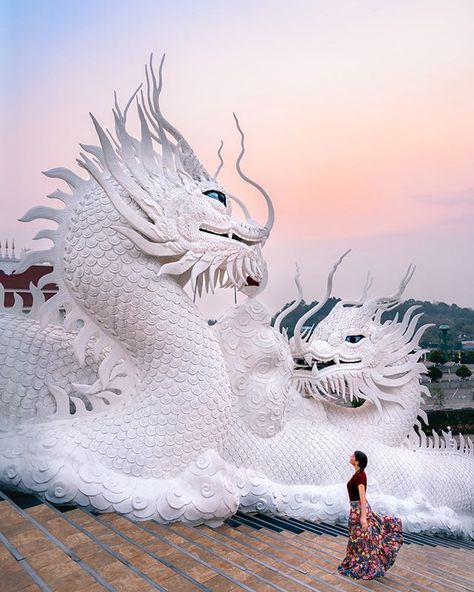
<point>354,338</point>
<point>213,194</point>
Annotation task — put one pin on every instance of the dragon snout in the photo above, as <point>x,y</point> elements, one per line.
<point>320,352</point>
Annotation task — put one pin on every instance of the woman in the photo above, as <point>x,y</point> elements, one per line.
<point>374,540</point>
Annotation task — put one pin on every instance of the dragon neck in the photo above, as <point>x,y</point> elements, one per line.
<point>105,282</point>
<point>120,290</point>
<point>150,321</point>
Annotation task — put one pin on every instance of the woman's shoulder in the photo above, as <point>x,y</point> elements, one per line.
<point>359,478</point>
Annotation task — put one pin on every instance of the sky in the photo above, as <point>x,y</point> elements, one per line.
<point>359,121</point>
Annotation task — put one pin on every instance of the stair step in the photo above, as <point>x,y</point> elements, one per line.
<point>53,564</point>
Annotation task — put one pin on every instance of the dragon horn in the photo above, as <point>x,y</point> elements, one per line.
<point>271,212</point>
<point>221,160</point>
<point>388,302</point>
<point>191,164</point>
<point>317,307</point>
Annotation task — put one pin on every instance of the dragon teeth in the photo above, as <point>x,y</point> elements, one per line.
<point>247,268</point>
<point>255,271</point>
<point>350,384</point>
<point>343,388</point>
<point>222,273</point>
<point>199,285</point>
<point>231,272</point>
<point>211,281</point>
<point>239,270</point>
<point>322,390</point>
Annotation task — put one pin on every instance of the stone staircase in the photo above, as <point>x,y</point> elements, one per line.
<point>46,548</point>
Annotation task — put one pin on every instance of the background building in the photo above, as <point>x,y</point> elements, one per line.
<point>20,282</point>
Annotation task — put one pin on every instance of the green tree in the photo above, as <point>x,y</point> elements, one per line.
<point>435,374</point>
<point>437,357</point>
<point>463,372</point>
<point>467,357</point>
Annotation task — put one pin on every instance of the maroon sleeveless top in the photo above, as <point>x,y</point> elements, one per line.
<point>357,479</point>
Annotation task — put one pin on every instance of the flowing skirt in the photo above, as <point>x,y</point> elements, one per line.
<point>369,554</point>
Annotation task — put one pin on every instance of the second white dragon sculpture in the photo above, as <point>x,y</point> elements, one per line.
<point>131,403</point>
<point>292,440</point>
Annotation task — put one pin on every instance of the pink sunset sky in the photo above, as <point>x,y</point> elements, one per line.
<point>359,117</point>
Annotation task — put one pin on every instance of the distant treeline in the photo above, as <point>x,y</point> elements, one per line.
<point>459,420</point>
<point>460,320</point>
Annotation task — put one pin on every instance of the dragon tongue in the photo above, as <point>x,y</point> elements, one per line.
<point>252,282</point>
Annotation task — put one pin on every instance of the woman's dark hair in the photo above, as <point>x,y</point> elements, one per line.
<point>361,458</point>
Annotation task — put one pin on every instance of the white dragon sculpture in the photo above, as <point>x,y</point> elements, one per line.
<point>291,437</point>
<point>123,405</point>
<point>115,394</point>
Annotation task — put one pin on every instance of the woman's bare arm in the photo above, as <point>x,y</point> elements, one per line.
<point>363,506</point>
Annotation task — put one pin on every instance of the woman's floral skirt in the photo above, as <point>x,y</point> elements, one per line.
<point>369,554</point>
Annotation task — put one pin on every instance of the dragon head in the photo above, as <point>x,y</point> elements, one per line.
<point>352,354</point>
<point>170,207</point>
